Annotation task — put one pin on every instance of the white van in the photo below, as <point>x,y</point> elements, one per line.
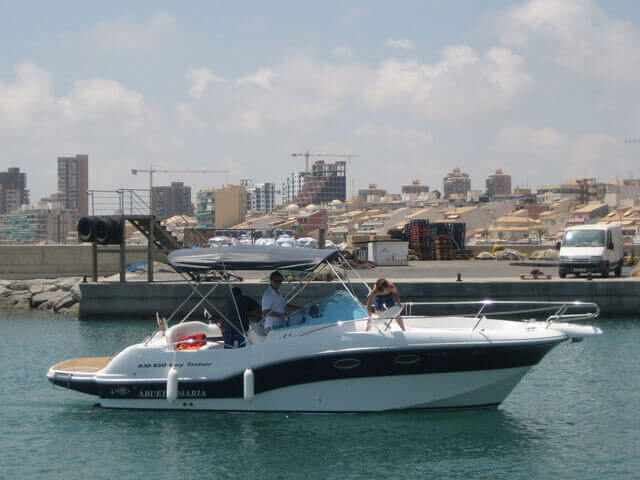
<point>593,248</point>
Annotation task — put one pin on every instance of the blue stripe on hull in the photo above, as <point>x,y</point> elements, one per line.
<point>361,364</point>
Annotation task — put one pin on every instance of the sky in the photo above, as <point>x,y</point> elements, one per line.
<point>547,90</point>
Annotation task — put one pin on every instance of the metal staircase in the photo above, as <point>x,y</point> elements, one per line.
<point>162,238</point>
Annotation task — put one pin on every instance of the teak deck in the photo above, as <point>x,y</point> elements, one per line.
<point>92,364</point>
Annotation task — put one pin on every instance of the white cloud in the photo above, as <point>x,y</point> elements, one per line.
<point>397,138</point>
<point>402,43</point>
<point>262,78</point>
<point>129,35</point>
<point>343,51</point>
<point>301,92</point>
<point>552,156</point>
<point>579,35</point>
<point>28,95</point>
<point>98,116</point>
<point>200,79</point>
<point>96,98</point>
<point>296,94</point>
<point>459,85</point>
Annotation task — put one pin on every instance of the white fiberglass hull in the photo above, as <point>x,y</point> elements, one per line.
<point>438,390</point>
<point>334,368</point>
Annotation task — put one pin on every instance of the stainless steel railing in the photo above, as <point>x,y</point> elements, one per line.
<point>123,201</point>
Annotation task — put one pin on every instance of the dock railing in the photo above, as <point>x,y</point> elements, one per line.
<point>124,201</point>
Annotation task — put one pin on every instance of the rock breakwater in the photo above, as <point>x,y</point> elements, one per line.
<point>60,295</point>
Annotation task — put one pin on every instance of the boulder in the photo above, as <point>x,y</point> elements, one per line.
<point>20,301</point>
<point>19,286</point>
<point>36,288</point>
<point>46,300</point>
<point>75,291</point>
<point>72,311</point>
<point>22,304</point>
<point>64,302</point>
<point>65,285</point>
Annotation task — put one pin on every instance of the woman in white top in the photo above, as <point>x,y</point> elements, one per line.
<point>274,306</point>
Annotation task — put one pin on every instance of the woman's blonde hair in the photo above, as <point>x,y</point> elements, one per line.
<point>381,284</point>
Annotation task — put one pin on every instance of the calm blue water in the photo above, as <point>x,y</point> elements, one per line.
<point>574,416</point>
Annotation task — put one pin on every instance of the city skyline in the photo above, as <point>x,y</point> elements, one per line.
<point>420,87</point>
<point>160,190</point>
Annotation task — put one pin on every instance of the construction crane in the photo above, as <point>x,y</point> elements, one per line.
<point>308,154</point>
<point>151,171</point>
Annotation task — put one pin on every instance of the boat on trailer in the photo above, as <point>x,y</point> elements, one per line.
<point>328,357</point>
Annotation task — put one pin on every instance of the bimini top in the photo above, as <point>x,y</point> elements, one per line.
<point>248,257</point>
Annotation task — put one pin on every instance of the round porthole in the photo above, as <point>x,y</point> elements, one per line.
<point>346,363</point>
<point>407,359</point>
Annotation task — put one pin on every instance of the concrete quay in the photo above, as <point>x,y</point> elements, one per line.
<point>141,300</point>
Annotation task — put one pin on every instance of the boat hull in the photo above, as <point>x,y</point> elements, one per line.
<point>360,380</point>
<point>480,388</point>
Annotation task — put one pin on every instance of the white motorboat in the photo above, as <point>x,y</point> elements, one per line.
<point>325,359</point>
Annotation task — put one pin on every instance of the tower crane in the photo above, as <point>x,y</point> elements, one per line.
<point>151,171</point>
<point>308,154</point>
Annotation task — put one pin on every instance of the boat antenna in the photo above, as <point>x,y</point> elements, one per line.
<point>344,260</point>
<point>344,284</point>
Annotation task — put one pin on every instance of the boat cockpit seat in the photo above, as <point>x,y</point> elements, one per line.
<point>186,329</point>
<point>256,333</point>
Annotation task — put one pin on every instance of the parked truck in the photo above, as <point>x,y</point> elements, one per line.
<point>593,248</point>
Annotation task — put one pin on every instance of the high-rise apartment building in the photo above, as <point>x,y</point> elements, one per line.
<point>172,200</point>
<point>415,191</point>
<point>292,187</point>
<point>582,190</point>
<point>28,226</point>
<point>261,197</point>
<point>73,183</point>
<point>221,207</point>
<point>324,183</point>
<point>205,208</point>
<point>372,190</point>
<point>498,184</point>
<point>456,183</point>
<point>13,190</point>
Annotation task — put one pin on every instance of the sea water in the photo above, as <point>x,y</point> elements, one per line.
<point>574,416</point>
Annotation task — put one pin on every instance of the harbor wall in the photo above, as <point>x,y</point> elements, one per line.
<point>141,300</point>
<point>51,261</point>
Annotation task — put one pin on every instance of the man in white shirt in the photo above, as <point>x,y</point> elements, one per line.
<point>274,306</point>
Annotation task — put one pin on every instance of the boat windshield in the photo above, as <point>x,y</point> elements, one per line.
<point>338,307</point>
<point>584,238</point>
